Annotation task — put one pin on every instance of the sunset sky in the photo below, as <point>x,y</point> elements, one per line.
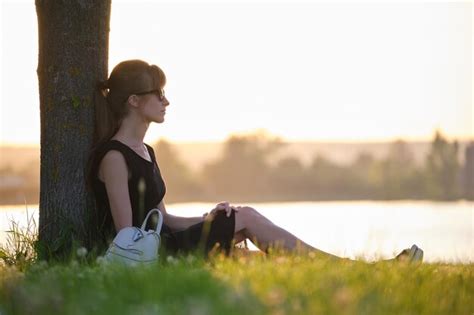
<point>307,71</point>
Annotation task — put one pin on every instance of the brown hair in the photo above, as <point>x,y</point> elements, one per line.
<point>111,96</point>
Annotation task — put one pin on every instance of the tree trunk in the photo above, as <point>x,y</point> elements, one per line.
<point>73,56</point>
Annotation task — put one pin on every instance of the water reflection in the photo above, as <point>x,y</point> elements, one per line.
<point>366,229</point>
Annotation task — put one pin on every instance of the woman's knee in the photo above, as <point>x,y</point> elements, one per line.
<point>244,217</point>
<point>248,212</point>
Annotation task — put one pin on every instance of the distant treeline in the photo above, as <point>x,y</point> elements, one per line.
<point>20,186</point>
<point>243,173</point>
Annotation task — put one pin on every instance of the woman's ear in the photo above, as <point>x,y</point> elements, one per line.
<point>133,100</point>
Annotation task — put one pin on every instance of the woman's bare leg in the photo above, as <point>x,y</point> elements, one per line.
<point>264,234</point>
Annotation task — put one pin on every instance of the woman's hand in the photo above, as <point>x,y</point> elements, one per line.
<point>222,206</point>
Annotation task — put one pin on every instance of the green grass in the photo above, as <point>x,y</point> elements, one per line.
<point>19,250</point>
<point>241,284</point>
<point>256,284</point>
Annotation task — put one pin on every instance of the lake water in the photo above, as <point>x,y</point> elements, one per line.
<point>373,230</point>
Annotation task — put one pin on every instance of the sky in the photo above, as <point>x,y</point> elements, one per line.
<point>321,71</point>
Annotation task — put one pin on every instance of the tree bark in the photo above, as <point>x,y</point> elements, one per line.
<point>73,56</point>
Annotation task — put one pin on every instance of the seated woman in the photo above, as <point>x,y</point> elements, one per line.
<point>127,182</point>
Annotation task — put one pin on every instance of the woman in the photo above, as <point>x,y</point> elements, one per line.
<point>126,179</point>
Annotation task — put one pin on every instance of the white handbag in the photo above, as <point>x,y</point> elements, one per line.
<point>133,245</point>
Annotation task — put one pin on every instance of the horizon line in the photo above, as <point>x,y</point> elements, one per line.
<point>284,140</point>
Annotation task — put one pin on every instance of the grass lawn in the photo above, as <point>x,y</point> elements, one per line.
<point>242,284</point>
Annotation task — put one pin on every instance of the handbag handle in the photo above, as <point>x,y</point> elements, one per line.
<point>160,220</point>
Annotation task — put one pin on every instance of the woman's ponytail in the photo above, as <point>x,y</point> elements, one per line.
<point>103,127</point>
<point>105,122</point>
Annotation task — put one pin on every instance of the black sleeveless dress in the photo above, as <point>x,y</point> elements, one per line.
<point>146,190</point>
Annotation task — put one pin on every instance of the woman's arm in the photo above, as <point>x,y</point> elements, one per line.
<point>176,223</point>
<point>113,172</point>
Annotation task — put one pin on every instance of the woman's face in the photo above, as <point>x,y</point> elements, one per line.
<point>152,106</point>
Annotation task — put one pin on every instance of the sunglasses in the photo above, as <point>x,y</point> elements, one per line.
<point>159,93</point>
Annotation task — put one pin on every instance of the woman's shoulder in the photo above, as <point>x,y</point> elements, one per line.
<point>113,156</point>
<point>111,148</point>
<point>113,145</point>
<point>109,152</point>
